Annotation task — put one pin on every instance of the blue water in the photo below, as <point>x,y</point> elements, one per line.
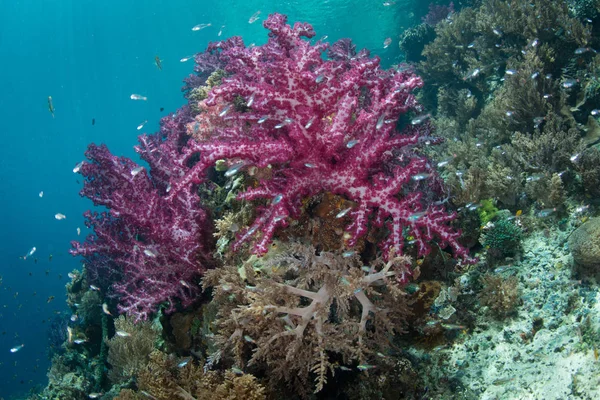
<point>90,56</point>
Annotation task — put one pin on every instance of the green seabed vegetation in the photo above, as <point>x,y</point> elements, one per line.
<point>512,87</point>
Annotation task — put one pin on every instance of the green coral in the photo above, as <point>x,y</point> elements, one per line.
<point>487,211</point>
<point>503,239</point>
<point>414,39</point>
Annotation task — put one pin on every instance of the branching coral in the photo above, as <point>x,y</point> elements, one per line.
<point>164,379</point>
<point>301,310</point>
<point>129,349</point>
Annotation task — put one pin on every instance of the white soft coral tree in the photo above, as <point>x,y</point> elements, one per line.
<point>299,311</point>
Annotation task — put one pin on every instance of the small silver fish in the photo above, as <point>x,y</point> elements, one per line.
<point>343,213</point>
<point>285,122</point>
<point>319,78</point>
<point>234,169</point>
<point>138,97</point>
<point>497,32</point>
<point>78,167</point>
<point>249,339</point>
<point>31,251</point>
<point>278,218</point>
<point>417,215</point>
<point>445,162</point>
<point>184,363</point>
<point>546,212</point>
<point>186,59</point>
<point>17,348</point>
<point>421,176</point>
<point>95,288</point>
<point>583,50</point>
<point>262,119</point>
<point>534,177</point>
<point>574,157</point>
<point>569,83</point>
<point>105,309</point>
<point>140,126</point>
<point>136,171</point>
<point>309,123</point>
<point>201,26</point>
<point>380,122</point>
<point>511,72</point>
<point>41,194</point>
<point>250,101</point>
<point>184,283</point>
<point>387,42</point>
<point>95,395</point>
<point>420,119</point>
<point>348,254</point>
<point>60,216</point>
<point>351,143</point>
<point>79,341</point>
<point>225,110</point>
<point>78,231</point>
<point>277,199</point>
<point>122,333</point>
<point>595,112</point>
<point>254,17</point>
<point>365,367</point>
<point>221,30</point>
<point>150,253</point>
<point>74,317</point>
<point>534,42</point>
<point>472,74</point>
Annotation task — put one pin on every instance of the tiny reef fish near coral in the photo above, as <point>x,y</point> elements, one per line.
<point>105,309</point>
<point>123,333</point>
<point>78,167</point>
<point>17,348</point>
<point>33,249</point>
<point>387,42</point>
<point>136,171</point>
<point>140,126</point>
<point>201,26</point>
<point>254,17</point>
<point>138,97</point>
<point>50,106</point>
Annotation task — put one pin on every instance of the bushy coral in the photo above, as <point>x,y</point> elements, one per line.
<point>500,294</point>
<point>129,349</point>
<point>306,313</point>
<point>165,379</point>
<point>414,39</point>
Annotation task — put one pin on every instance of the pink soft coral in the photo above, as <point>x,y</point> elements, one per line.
<point>322,125</point>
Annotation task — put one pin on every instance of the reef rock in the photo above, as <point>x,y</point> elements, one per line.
<point>585,243</point>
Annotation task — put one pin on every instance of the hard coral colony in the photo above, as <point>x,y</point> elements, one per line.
<point>301,126</point>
